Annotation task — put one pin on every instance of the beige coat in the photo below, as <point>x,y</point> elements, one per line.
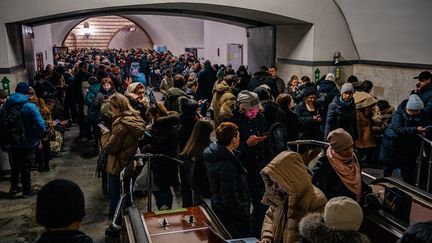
<point>281,221</point>
<point>122,142</point>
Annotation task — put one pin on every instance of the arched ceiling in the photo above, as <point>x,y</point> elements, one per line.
<point>99,33</point>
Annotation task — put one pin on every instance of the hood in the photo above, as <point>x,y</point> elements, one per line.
<point>227,96</point>
<point>313,229</point>
<point>326,86</point>
<point>173,91</point>
<point>17,98</point>
<point>363,99</point>
<point>289,171</point>
<point>172,119</point>
<point>222,87</point>
<point>133,122</point>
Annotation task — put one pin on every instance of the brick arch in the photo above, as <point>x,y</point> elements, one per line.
<point>102,33</point>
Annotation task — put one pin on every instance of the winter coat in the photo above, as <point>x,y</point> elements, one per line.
<point>341,114</point>
<point>425,95</point>
<point>122,142</point>
<point>258,79</point>
<point>165,141</point>
<point>328,181</point>
<point>172,96</point>
<point>102,97</point>
<point>273,113</point>
<point>45,90</point>
<point>281,220</point>
<point>256,157</point>
<point>228,187</point>
<point>206,80</point>
<point>186,126</point>
<point>400,143</point>
<point>366,136</point>
<point>309,128</point>
<point>78,79</point>
<point>292,125</point>
<point>277,86</point>
<point>93,111</point>
<point>220,90</point>
<point>314,230</point>
<point>328,87</point>
<point>244,81</point>
<point>166,84</point>
<point>34,124</point>
<point>66,236</point>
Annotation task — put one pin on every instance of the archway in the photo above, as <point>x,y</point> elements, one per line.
<point>99,32</point>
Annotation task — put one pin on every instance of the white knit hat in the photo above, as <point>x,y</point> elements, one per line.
<point>330,77</point>
<point>343,213</point>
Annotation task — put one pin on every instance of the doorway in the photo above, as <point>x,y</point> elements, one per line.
<point>235,55</point>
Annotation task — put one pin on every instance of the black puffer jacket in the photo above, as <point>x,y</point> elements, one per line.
<point>314,230</point>
<point>165,141</point>
<point>341,114</point>
<point>228,187</point>
<point>257,79</point>
<point>309,128</point>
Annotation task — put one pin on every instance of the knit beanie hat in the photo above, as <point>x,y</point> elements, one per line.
<point>22,88</point>
<point>414,103</point>
<point>347,87</point>
<point>308,91</point>
<point>330,77</point>
<point>340,140</point>
<point>343,213</point>
<point>248,99</point>
<point>59,203</point>
<point>263,92</point>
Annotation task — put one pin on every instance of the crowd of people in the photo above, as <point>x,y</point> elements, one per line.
<point>257,187</point>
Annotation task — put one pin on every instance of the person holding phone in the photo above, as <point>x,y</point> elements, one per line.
<point>400,143</point>
<point>254,148</point>
<point>120,144</point>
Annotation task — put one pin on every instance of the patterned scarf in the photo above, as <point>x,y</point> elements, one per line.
<point>348,170</point>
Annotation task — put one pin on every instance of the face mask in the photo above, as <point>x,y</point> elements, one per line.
<point>251,113</point>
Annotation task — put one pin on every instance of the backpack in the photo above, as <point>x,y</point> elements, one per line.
<point>277,137</point>
<point>323,99</point>
<point>12,131</point>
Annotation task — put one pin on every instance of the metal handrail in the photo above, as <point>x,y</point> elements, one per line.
<point>307,141</point>
<point>420,163</point>
<point>116,222</point>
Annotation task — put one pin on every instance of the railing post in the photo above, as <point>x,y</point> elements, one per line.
<point>429,172</point>
<point>419,163</point>
<point>149,184</point>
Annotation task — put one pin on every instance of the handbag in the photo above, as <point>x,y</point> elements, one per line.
<point>397,203</point>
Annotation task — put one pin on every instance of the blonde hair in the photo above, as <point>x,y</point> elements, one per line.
<point>121,103</point>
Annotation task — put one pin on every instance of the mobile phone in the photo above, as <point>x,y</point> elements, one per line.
<point>265,134</point>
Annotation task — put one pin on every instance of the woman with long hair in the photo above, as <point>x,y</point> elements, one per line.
<point>120,143</point>
<point>192,173</point>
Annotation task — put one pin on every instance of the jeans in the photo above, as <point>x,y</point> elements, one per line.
<point>21,161</point>
<point>113,193</point>
<point>163,197</point>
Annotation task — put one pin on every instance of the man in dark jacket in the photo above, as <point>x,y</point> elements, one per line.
<point>80,77</point>
<point>60,208</point>
<point>424,91</point>
<point>258,78</point>
<point>227,179</point>
<point>22,156</point>
<point>327,90</point>
<point>276,84</point>
<point>206,80</point>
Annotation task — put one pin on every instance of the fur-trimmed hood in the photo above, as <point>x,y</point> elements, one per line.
<point>314,230</point>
